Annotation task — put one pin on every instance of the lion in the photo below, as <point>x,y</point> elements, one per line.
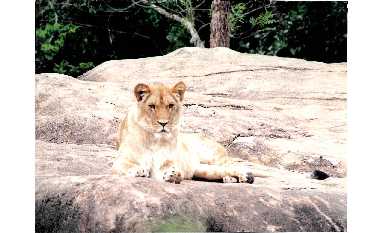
<point>150,143</point>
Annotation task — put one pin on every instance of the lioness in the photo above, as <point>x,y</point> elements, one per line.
<point>150,143</point>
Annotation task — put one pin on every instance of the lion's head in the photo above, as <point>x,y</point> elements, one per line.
<point>159,107</point>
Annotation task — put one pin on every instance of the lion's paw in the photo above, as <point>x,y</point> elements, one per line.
<point>172,175</point>
<point>143,172</point>
<point>138,172</point>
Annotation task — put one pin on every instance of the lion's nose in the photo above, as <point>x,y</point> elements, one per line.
<point>163,123</point>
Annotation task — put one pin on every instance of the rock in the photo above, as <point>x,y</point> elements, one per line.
<point>60,160</point>
<point>73,111</point>
<point>287,115</point>
<point>120,204</point>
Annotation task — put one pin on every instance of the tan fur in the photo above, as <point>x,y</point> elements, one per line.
<point>150,143</point>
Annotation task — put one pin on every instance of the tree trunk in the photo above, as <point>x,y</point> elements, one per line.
<point>219,36</point>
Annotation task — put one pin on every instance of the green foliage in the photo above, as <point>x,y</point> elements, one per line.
<point>153,17</point>
<point>64,67</point>
<point>187,6</point>
<point>177,36</point>
<point>309,30</point>
<point>264,19</point>
<point>51,38</point>
<point>236,17</point>
<point>54,34</point>
<point>73,36</point>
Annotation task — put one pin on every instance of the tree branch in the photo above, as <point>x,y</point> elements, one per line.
<point>195,38</point>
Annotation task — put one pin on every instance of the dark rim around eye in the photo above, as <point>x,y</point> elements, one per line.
<point>152,106</point>
<point>170,105</point>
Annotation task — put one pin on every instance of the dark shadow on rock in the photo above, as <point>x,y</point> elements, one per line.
<point>213,225</point>
<point>319,175</point>
<point>56,214</point>
<point>312,220</point>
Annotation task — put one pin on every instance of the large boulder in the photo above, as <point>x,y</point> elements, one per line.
<point>119,204</point>
<point>287,115</point>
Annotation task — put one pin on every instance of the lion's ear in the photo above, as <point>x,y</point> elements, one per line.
<point>179,90</point>
<point>140,91</point>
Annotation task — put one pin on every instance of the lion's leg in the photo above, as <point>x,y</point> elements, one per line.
<point>169,172</point>
<point>226,172</point>
<point>128,168</point>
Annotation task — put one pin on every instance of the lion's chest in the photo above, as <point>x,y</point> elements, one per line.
<point>160,156</point>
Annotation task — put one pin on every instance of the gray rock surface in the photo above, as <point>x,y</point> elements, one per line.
<point>119,204</point>
<point>287,115</point>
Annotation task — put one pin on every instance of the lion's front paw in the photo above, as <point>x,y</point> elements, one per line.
<point>136,172</point>
<point>143,172</point>
<point>246,178</point>
<point>172,175</point>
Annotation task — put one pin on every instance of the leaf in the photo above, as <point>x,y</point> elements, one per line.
<point>265,18</point>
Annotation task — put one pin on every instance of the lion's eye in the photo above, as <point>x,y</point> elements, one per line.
<point>152,106</point>
<point>170,106</point>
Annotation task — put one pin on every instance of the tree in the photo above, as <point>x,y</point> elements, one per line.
<point>219,36</point>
